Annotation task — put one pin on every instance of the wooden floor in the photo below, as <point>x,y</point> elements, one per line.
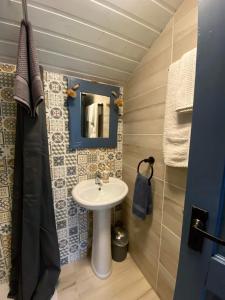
<point>78,282</point>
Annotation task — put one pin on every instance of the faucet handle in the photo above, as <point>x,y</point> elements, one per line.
<point>98,174</point>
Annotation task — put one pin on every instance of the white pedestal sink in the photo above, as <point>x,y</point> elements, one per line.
<point>88,195</point>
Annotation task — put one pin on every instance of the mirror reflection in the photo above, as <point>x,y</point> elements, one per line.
<point>95,110</point>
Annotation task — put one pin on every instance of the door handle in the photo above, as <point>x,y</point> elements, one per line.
<point>198,231</point>
<point>198,225</point>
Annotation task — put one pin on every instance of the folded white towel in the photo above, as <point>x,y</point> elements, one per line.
<point>177,127</point>
<point>185,90</point>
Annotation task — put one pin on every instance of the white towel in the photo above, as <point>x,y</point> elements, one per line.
<point>185,91</point>
<point>177,126</point>
<point>92,120</point>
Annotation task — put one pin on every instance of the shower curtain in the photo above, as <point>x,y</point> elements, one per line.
<point>35,253</point>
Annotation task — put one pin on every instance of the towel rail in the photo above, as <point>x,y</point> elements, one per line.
<point>151,161</point>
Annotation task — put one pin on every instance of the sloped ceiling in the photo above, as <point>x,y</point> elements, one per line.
<point>102,40</point>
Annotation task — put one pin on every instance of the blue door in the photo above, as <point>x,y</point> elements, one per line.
<point>201,272</point>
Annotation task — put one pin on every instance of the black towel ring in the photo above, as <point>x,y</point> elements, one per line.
<point>151,161</point>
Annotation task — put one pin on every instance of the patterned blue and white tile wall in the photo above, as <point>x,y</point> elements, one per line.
<point>67,168</point>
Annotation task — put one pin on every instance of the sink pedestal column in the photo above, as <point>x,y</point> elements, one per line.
<point>101,259</point>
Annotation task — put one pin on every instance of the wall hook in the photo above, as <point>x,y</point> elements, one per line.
<point>71,92</point>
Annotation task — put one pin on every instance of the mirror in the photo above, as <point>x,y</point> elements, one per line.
<point>95,112</point>
<point>93,115</point>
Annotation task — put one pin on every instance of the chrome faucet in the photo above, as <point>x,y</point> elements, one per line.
<point>98,180</point>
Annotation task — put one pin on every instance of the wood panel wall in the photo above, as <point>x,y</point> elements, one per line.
<point>155,242</point>
<point>101,40</point>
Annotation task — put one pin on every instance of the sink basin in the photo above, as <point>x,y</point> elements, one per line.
<point>88,195</point>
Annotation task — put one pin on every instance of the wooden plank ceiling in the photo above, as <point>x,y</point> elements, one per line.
<point>102,40</point>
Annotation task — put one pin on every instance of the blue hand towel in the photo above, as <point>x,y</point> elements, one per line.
<point>142,200</point>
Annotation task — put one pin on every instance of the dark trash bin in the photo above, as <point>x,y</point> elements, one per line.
<point>119,244</point>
